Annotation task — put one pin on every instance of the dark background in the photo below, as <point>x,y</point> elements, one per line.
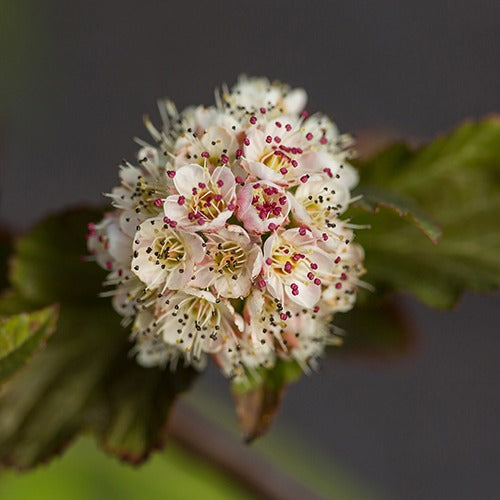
<point>76,77</point>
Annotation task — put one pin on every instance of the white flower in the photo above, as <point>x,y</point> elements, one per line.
<point>340,292</point>
<point>262,206</point>
<point>194,321</point>
<point>216,146</point>
<point>318,203</point>
<point>233,262</point>
<point>164,258</point>
<point>258,95</point>
<point>295,265</point>
<point>110,246</point>
<point>141,191</point>
<point>205,201</point>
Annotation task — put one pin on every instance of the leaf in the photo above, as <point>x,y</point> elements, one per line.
<point>49,261</point>
<point>21,336</point>
<point>377,328</point>
<point>374,199</point>
<point>456,179</point>
<point>85,379</point>
<point>257,404</point>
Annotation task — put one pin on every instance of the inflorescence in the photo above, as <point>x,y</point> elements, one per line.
<point>226,239</point>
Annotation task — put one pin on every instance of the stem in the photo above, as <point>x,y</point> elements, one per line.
<point>245,465</point>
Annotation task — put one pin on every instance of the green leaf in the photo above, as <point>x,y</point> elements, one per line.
<point>21,336</point>
<point>49,261</point>
<point>258,400</point>
<point>456,179</point>
<point>377,328</point>
<point>375,199</point>
<point>85,379</point>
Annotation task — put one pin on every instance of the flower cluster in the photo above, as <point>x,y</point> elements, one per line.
<point>226,238</point>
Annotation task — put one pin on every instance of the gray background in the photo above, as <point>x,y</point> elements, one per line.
<point>75,78</point>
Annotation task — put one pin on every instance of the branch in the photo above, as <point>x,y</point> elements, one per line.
<point>217,447</point>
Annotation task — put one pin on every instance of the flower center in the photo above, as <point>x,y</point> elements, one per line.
<point>206,204</point>
<point>168,250</point>
<point>281,158</point>
<point>268,201</point>
<point>229,257</point>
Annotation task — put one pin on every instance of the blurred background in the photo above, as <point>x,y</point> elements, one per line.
<point>75,79</point>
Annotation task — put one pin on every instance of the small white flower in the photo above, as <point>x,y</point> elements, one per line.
<point>194,321</point>
<point>340,291</point>
<point>294,264</point>
<point>205,201</point>
<point>216,146</point>
<point>233,261</point>
<point>165,258</point>
<point>150,350</point>
<point>258,95</point>
<point>318,204</point>
<point>262,206</point>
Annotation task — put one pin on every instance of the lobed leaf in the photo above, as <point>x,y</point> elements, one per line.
<point>21,336</point>
<point>457,180</point>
